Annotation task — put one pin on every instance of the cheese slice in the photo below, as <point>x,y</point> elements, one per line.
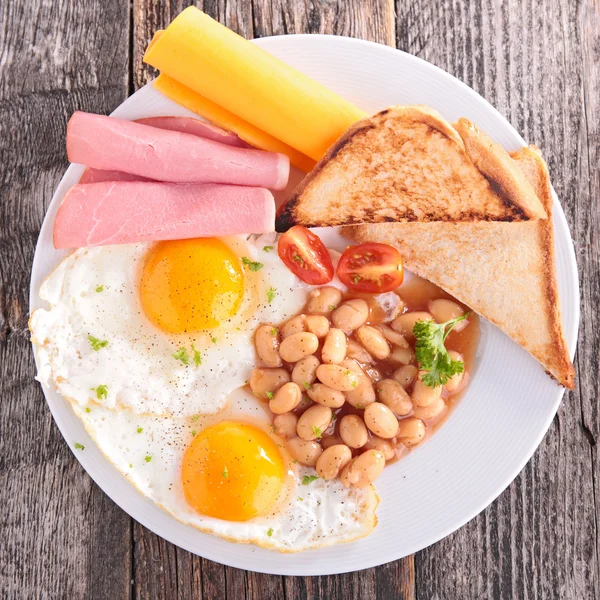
<point>222,118</point>
<point>246,81</point>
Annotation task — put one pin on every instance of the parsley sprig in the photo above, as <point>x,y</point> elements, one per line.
<point>251,264</point>
<point>431,351</point>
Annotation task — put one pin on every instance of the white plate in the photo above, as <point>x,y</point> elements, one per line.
<point>502,418</point>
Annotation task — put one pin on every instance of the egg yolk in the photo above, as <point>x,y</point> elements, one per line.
<point>232,471</point>
<point>190,285</point>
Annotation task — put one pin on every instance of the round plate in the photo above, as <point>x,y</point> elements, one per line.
<point>496,427</point>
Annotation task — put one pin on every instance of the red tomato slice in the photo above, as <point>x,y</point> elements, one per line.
<point>305,255</point>
<point>373,268</point>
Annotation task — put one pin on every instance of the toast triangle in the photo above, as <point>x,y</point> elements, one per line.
<point>503,271</point>
<point>407,163</point>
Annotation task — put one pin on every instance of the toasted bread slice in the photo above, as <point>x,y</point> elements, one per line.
<point>407,163</point>
<point>503,271</point>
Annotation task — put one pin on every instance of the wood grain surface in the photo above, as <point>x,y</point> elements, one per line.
<point>537,61</point>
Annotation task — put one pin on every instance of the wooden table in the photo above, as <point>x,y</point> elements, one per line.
<point>537,61</point>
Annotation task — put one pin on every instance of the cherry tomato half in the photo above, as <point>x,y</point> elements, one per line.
<point>373,268</point>
<point>305,255</point>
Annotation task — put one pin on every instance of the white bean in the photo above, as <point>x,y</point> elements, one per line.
<point>394,396</point>
<point>363,470</point>
<point>403,356</point>
<point>373,341</point>
<point>334,347</point>
<point>405,375</point>
<point>384,446</point>
<point>350,315</point>
<point>313,422</point>
<point>411,431</point>
<point>423,395</point>
<point>454,383</point>
<point>285,425</point>
<point>286,398</point>
<point>355,351</point>
<point>445,310</point>
<point>265,382</point>
<point>305,371</point>
<point>266,341</point>
<point>323,300</point>
<point>393,337</point>
<point>432,411</point>
<point>326,396</point>
<point>363,394</point>
<point>405,323</point>
<point>317,324</point>
<point>337,377</point>
<point>305,452</point>
<point>297,346</point>
<point>333,460</point>
<point>381,420</point>
<point>353,431</point>
<point>294,325</point>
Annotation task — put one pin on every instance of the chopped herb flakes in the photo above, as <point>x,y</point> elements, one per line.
<point>194,432</point>
<point>101,393</point>
<point>332,306</point>
<point>267,248</point>
<point>182,355</point>
<point>251,264</point>
<point>271,294</point>
<point>197,357</point>
<point>308,479</point>
<point>79,446</point>
<point>300,498</point>
<point>140,429</point>
<point>269,395</point>
<point>274,332</point>
<point>225,472</point>
<point>213,340</point>
<point>307,385</point>
<point>88,409</point>
<point>148,458</point>
<point>100,288</point>
<point>317,431</point>
<point>270,532</point>
<point>96,343</point>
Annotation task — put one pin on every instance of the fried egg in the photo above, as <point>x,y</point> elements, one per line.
<point>228,475</point>
<point>162,329</point>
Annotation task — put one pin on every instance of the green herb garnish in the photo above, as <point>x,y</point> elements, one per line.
<point>101,392</point>
<point>182,355</point>
<point>267,248</point>
<point>197,358</point>
<point>431,351</point>
<point>79,446</point>
<point>96,343</point>
<point>270,532</point>
<point>308,479</point>
<point>269,395</point>
<point>307,385</point>
<point>226,472</point>
<point>271,294</point>
<point>100,288</point>
<point>140,429</point>
<point>148,458</point>
<point>251,264</point>
<point>317,431</point>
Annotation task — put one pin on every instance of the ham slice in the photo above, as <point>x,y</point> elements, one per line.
<point>116,145</point>
<point>195,127</point>
<point>97,214</point>
<point>183,124</point>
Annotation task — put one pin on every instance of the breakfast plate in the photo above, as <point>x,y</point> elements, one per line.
<point>498,423</point>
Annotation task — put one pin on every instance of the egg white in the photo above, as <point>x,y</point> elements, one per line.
<point>137,366</point>
<point>148,451</point>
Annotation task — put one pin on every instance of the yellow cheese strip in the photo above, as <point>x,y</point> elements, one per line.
<point>222,118</point>
<point>238,76</point>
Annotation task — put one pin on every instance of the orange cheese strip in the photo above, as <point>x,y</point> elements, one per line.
<point>222,118</point>
<point>250,83</point>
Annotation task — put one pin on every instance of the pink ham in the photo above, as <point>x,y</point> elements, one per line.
<point>97,214</point>
<point>116,145</point>
<point>98,175</point>
<point>182,124</point>
<point>195,127</point>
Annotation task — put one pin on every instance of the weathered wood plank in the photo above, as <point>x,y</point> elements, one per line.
<point>537,62</point>
<point>375,21</point>
<point>61,536</point>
